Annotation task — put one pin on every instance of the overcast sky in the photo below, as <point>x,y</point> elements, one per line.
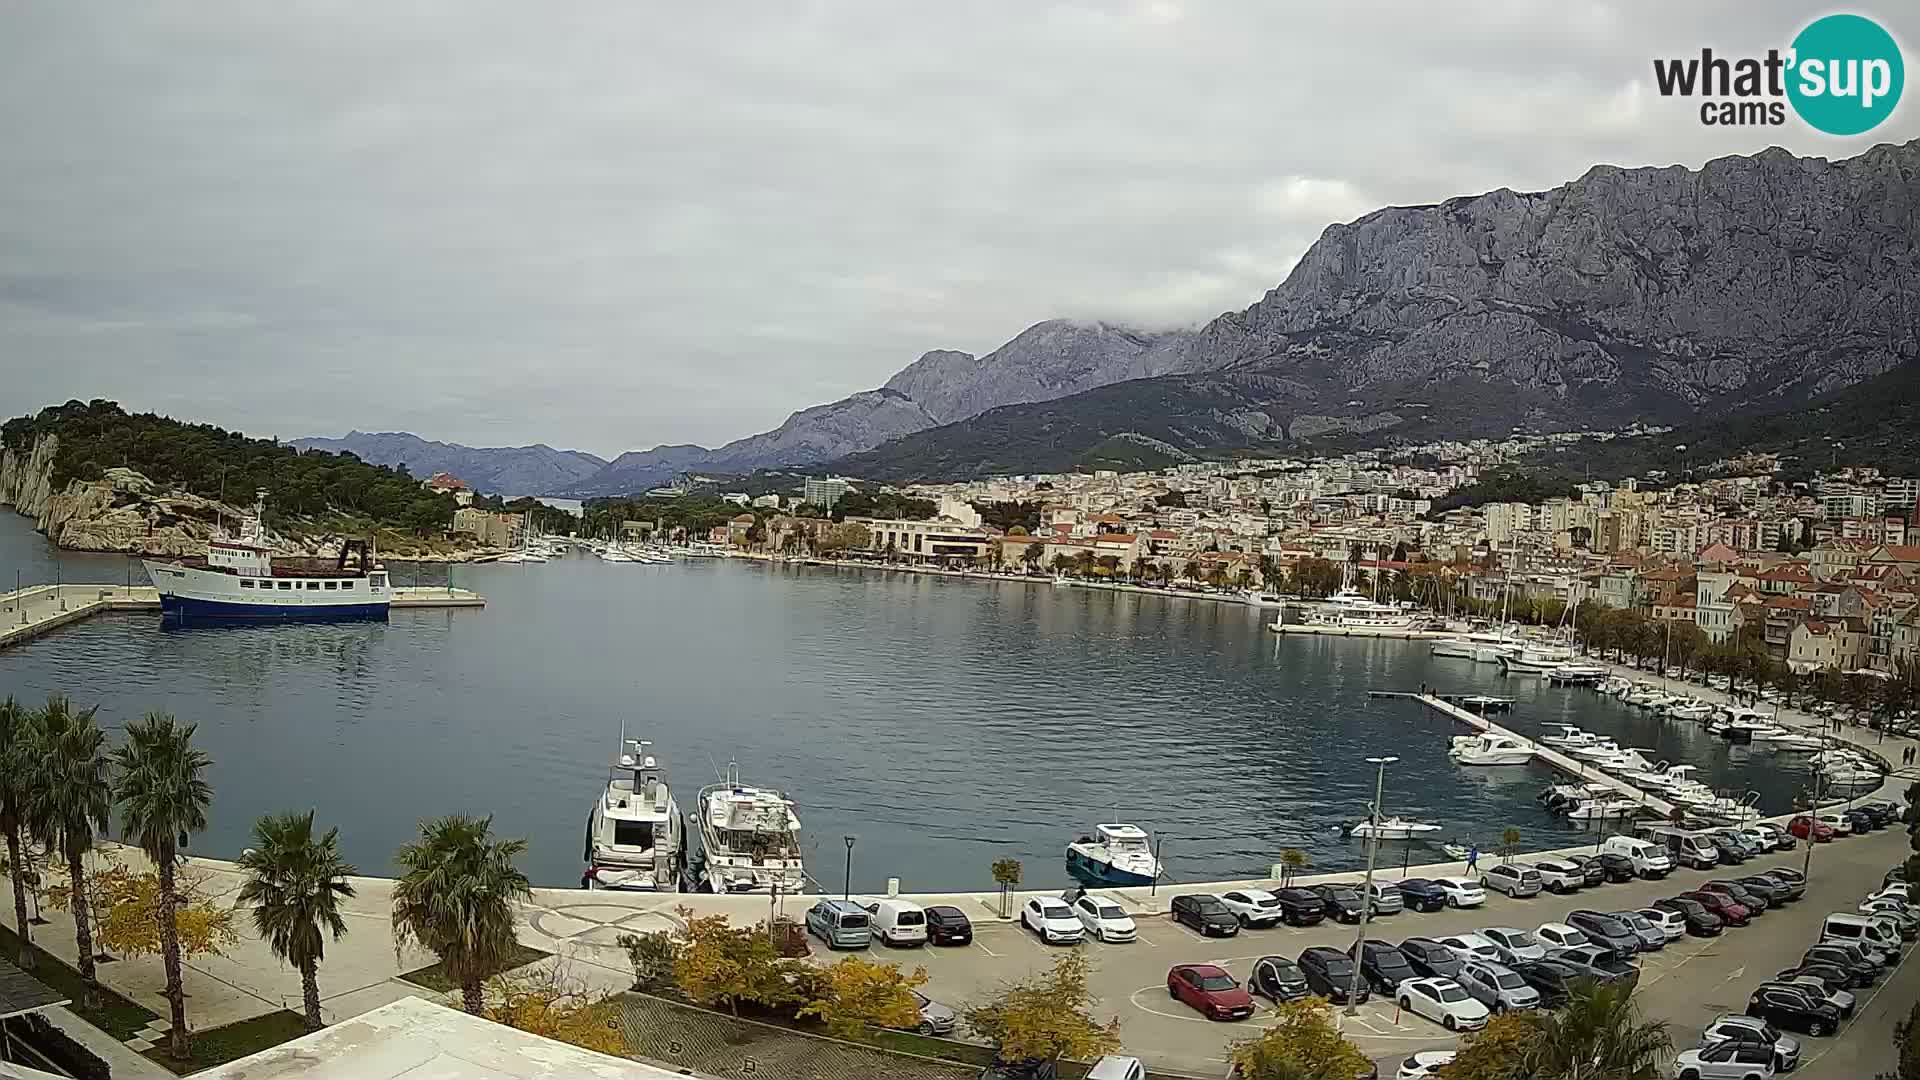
<point>611,225</point>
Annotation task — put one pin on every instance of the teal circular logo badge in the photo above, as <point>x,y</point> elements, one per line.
<point>1847,74</point>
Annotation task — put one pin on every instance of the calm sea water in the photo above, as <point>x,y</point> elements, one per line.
<point>943,723</point>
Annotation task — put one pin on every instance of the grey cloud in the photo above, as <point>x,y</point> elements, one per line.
<point>610,225</point>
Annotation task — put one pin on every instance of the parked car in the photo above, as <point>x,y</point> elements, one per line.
<point>1902,916</point>
<point>1278,979</point>
<point>1598,962</point>
<point>1471,946</point>
<point>1652,938</point>
<point>1860,820</point>
<point>1301,907</point>
<point>1761,840</point>
<point>1421,1066</point>
<point>1253,907</point>
<point>1560,876</point>
<point>1739,1027</point>
<point>1801,825</point>
<point>1737,893</point>
<point>1861,971</point>
<point>1462,892</point>
<point>1385,898</point>
<point>1774,891</point>
<point>1782,839</point>
<point>1384,967</point>
<point>1429,958</point>
<point>1827,983</point>
<point>1422,894</point>
<point>1444,1002</point>
<point>1340,902</point>
<point>1733,850</point>
<point>1517,880</point>
<point>1727,1061</point>
<point>1650,860</point>
<point>1700,922</point>
<point>1795,882</point>
<point>1794,1008</point>
<point>935,1018</point>
<point>1103,919</point>
<point>1617,868</point>
<point>948,925</point>
<point>842,924</point>
<point>1209,991</point>
<point>1054,922</point>
<point>1205,914</point>
<point>1893,890</point>
<point>898,922</point>
<point>1591,872</point>
<point>1838,822</point>
<point>1604,929</point>
<point>1552,980</point>
<point>1514,944</point>
<point>1330,974</point>
<point>1671,924</point>
<point>1731,911</point>
<point>1498,986</point>
<point>1558,935</point>
<point>1117,1067</point>
<point>998,1069</point>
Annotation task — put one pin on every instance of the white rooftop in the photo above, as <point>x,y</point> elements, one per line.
<point>419,1040</point>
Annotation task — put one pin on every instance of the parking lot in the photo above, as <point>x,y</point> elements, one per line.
<point>1688,983</point>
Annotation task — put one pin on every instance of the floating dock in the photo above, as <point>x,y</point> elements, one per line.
<point>1313,629</point>
<point>1569,765</point>
<point>31,612</point>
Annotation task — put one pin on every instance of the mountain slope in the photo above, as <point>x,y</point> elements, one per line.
<point>510,470</point>
<point>1754,283</point>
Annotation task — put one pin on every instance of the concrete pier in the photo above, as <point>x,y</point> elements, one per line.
<point>34,611</point>
<point>1569,765</point>
<point>1315,630</point>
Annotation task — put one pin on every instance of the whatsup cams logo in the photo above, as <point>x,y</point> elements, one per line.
<point>1842,75</point>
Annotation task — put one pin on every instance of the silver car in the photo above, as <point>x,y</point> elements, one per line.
<point>1515,945</point>
<point>935,1018</point>
<point>1651,937</point>
<point>1497,986</point>
<point>1742,1028</point>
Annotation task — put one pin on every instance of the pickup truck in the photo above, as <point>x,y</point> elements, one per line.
<point>1595,962</point>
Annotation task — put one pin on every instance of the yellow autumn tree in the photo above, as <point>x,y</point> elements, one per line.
<point>723,964</point>
<point>1499,1051</point>
<point>125,906</point>
<point>1046,1016</point>
<point>855,994</point>
<point>544,1000</point>
<point>1302,1042</point>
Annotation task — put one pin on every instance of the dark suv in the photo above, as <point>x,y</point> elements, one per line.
<point>1301,907</point>
<point>1606,930</point>
<point>1205,913</point>
<point>1384,967</point>
<point>1342,902</point>
<point>1430,958</point>
<point>1420,894</point>
<point>1330,974</point>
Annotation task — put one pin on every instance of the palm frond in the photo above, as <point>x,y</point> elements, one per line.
<point>295,884</point>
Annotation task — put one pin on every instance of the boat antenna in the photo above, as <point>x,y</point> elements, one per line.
<point>717,774</point>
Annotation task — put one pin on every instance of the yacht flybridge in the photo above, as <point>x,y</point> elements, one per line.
<point>750,839</point>
<point>635,838</point>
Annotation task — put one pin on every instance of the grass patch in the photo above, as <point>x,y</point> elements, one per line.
<point>238,1039</point>
<point>113,1014</point>
<point>434,976</point>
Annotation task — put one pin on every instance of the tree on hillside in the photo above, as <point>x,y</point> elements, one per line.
<point>455,897</point>
<point>69,803</point>
<point>1046,1017</point>
<point>295,884</point>
<point>163,799</point>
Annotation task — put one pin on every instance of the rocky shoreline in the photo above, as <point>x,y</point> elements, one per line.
<point>124,512</point>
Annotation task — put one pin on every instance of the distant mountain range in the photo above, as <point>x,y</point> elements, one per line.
<point>1752,285</point>
<point>508,470</point>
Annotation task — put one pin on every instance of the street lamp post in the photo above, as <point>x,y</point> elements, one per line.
<point>1366,890</point>
<point>1153,887</point>
<point>846,889</point>
<point>1813,824</point>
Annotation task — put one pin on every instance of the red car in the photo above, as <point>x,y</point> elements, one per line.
<point>1822,832</point>
<point>1731,911</point>
<point>1211,992</point>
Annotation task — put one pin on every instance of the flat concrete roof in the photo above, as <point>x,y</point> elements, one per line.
<point>419,1040</point>
<point>22,993</point>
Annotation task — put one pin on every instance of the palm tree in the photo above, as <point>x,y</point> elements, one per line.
<point>1599,1032</point>
<point>295,884</point>
<point>456,898</point>
<point>68,803</point>
<point>15,761</point>
<point>162,799</point>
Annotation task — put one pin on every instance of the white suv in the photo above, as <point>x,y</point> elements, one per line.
<point>1053,920</point>
<point>1103,919</point>
<point>1727,1061</point>
<point>1560,877</point>
<point>1253,907</point>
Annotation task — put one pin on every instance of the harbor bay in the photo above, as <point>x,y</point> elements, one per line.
<point>942,722</point>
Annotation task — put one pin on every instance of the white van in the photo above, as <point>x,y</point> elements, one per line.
<point>1648,860</point>
<point>1867,931</point>
<point>1685,846</point>
<point>899,922</point>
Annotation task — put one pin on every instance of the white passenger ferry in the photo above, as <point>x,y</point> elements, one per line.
<point>239,580</point>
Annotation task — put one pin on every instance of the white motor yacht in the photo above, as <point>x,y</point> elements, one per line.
<point>750,839</point>
<point>1534,661</point>
<point>1795,742</point>
<point>635,837</point>
<point>1690,709</point>
<point>1116,854</point>
<point>1616,806</point>
<point>1598,750</point>
<point>1491,749</point>
<point>1566,737</point>
<point>1392,828</point>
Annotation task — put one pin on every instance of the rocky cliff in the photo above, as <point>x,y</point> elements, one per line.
<point>1752,284</point>
<point>122,511</point>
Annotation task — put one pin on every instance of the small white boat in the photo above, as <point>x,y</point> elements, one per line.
<point>1566,736</point>
<point>1256,598</point>
<point>1532,661</point>
<point>1602,809</point>
<point>1392,828</point>
<point>1116,854</point>
<point>1576,674</point>
<point>1795,743</point>
<point>1491,749</point>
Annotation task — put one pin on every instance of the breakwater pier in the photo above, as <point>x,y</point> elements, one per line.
<point>27,613</point>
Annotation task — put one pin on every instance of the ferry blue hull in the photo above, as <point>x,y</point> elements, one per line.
<point>1096,873</point>
<point>219,611</point>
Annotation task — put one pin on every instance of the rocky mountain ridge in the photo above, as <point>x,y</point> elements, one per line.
<point>505,470</point>
<point>1752,284</point>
